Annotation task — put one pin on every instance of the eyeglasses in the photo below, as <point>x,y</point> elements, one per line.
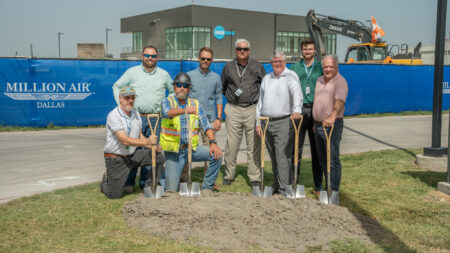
<point>205,59</point>
<point>245,49</point>
<point>151,56</point>
<point>184,85</point>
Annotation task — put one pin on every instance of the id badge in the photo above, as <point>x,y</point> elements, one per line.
<point>308,90</point>
<point>238,92</point>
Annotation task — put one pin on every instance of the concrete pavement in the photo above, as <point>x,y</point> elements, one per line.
<point>39,161</point>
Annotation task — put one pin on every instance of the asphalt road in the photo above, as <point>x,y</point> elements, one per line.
<point>38,161</point>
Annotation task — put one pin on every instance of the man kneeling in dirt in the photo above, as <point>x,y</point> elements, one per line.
<point>181,114</point>
<point>123,135</point>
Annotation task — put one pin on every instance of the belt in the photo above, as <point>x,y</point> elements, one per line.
<point>307,105</point>
<point>279,118</point>
<point>184,146</point>
<point>145,114</point>
<point>116,156</point>
<point>244,104</point>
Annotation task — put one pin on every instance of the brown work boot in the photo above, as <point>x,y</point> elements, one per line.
<point>128,189</point>
<point>316,194</point>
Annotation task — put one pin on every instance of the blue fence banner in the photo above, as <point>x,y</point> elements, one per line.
<point>75,92</point>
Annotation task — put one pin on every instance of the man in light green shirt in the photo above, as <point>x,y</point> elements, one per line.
<point>308,70</point>
<point>150,83</point>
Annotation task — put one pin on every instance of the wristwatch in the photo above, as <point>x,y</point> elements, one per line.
<point>212,141</point>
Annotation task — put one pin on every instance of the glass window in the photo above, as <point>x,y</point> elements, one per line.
<point>290,42</point>
<point>137,41</point>
<point>185,42</point>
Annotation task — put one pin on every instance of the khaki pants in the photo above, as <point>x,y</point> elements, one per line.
<point>242,119</point>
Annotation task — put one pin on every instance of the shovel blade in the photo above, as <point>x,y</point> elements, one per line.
<point>334,198</point>
<point>300,191</point>
<point>256,192</point>
<point>184,191</point>
<point>159,191</point>
<point>267,192</point>
<point>148,192</point>
<point>323,197</point>
<point>195,189</point>
<point>289,192</point>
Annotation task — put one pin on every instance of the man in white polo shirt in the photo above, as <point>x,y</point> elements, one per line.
<point>123,135</point>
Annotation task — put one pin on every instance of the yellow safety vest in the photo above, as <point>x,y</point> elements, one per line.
<point>171,128</point>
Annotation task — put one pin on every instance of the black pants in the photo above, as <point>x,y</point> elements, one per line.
<point>308,126</point>
<point>117,170</point>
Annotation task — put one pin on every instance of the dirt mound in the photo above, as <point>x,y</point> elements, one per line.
<point>238,221</point>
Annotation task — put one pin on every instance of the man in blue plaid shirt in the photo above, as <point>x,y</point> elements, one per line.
<point>178,113</point>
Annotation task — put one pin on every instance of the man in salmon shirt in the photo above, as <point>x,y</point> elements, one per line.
<point>328,110</point>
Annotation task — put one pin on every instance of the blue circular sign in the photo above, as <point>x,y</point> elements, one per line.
<point>219,32</point>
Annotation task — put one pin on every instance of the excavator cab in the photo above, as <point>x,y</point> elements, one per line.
<point>367,52</point>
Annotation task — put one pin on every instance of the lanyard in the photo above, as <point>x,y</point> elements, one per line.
<point>128,121</point>
<point>310,71</point>
<point>237,69</point>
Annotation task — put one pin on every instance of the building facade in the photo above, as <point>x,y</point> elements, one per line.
<point>179,33</point>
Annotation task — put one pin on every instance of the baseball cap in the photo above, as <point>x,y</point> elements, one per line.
<point>127,91</point>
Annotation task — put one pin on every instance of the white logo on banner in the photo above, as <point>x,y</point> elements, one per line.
<point>45,92</point>
<point>446,88</point>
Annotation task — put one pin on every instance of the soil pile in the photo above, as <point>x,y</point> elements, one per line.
<point>239,221</point>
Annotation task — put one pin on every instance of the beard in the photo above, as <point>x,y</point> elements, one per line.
<point>149,64</point>
<point>181,95</point>
<point>128,107</point>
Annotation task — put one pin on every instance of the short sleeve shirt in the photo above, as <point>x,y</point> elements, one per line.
<point>117,120</point>
<point>326,95</point>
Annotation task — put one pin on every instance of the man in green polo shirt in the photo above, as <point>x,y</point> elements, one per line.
<point>150,83</point>
<point>308,70</point>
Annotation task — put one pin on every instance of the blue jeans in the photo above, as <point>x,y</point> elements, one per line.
<point>175,163</point>
<point>321,144</point>
<point>145,169</point>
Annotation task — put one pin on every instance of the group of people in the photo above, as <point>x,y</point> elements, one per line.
<point>194,104</point>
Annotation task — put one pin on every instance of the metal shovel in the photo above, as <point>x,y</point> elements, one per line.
<point>190,188</point>
<point>154,191</point>
<point>328,197</point>
<point>295,191</point>
<point>260,191</point>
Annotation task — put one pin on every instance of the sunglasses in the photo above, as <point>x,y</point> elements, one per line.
<point>151,56</point>
<point>245,49</point>
<point>205,59</point>
<point>184,85</point>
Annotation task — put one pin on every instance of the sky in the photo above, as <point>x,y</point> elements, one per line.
<point>38,22</point>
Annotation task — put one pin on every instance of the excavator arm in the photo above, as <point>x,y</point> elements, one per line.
<point>349,28</point>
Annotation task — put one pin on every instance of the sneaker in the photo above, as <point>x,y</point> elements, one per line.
<point>254,183</point>
<point>128,189</point>
<point>227,182</point>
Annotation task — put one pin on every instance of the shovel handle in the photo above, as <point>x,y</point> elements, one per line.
<point>297,135</point>
<point>328,137</point>
<point>263,147</point>
<point>153,129</point>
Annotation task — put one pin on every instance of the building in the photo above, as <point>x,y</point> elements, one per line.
<point>427,53</point>
<point>90,50</point>
<point>179,33</point>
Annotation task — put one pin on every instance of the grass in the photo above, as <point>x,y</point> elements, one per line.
<point>388,114</point>
<point>384,185</point>
<point>50,126</point>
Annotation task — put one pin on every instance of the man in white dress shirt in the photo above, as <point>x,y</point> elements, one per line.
<point>281,100</point>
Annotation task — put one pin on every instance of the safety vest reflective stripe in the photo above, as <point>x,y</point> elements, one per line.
<point>170,131</point>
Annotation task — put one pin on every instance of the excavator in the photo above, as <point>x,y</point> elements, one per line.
<point>369,49</point>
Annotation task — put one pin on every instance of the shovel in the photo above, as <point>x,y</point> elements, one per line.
<point>260,191</point>
<point>190,188</point>
<point>328,197</point>
<point>295,191</point>
<point>154,191</point>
